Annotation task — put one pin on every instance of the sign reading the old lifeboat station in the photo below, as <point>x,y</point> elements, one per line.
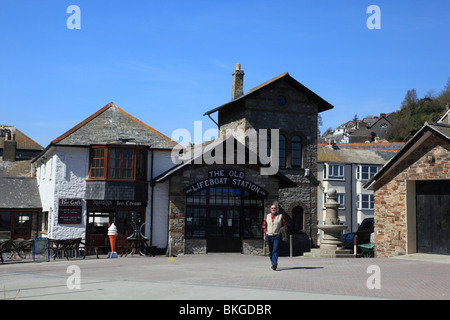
<point>225,177</point>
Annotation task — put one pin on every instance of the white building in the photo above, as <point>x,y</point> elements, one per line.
<point>346,168</point>
<point>100,172</point>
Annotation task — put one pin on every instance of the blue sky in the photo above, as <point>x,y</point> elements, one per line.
<point>167,62</point>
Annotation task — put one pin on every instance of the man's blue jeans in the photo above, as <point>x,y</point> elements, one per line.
<point>273,242</point>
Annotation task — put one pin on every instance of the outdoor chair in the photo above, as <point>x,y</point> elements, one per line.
<point>24,247</point>
<point>8,246</point>
<point>88,246</point>
<point>56,248</point>
<point>71,247</point>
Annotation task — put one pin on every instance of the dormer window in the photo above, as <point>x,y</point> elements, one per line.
<point>117,163</point>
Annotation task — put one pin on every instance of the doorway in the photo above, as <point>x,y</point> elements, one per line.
<point>433,216</point>
<point>99,221</point>
<point>224,216</point>
<point>21,225</point>
<point>223,230</point>
<point>297,219</point>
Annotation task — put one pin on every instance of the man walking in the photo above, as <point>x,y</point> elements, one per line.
<point>272,224</point>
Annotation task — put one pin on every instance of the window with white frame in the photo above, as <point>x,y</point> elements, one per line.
<point>340,199</point>
<point>365,172</point>
<point>365,201</point>
<point>333,171</point>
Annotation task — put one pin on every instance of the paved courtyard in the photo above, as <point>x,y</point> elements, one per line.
<point>228,276</point>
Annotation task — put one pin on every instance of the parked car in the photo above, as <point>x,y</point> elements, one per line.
<point>363,233</point>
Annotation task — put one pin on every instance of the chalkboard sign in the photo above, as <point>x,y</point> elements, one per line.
<point>70,211</point>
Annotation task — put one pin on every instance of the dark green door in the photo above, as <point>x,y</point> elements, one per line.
<point>433,216</point>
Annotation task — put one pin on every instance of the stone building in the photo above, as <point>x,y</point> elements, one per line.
<point>20,208</point>
<point>20,204</point>
<point>412,196</point>
<point>227,215</point>
<point>17,146</point>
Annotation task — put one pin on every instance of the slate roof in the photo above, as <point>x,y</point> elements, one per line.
<point>15,168</point>
<point>111,124</point>
<point>23,141</point>
<point>355,155</point>
<point>322,104</point>
<point>19,193</point>
<point>436,129</point>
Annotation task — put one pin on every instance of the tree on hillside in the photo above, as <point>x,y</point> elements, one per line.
<point>414,112</point>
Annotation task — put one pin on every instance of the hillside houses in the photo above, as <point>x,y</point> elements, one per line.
<point>369,129</point>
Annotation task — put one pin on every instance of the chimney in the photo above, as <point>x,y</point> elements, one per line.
<point>237,89</point>
<point>9,148</point>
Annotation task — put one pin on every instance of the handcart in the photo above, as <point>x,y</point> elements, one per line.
<point>367,249</point>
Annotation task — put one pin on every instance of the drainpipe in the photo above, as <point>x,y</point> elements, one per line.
<point>152,185</point>
<point>351,196</point>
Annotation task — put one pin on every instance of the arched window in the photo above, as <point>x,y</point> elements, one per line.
<point>296,144</point>
<point>282,151</point>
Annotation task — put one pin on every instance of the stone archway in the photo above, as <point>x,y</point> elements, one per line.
<point>298,214</point>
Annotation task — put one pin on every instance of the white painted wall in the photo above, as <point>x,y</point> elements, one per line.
<point>62,173</point>
<point>160,205</point>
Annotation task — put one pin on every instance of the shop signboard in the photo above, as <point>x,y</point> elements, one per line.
<point>70,211</point>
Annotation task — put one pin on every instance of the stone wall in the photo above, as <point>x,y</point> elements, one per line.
<point>391,197</point>
<point>177,207</point>
<point>195,246</point>
<point>297,117</point>
<point>253,246</point>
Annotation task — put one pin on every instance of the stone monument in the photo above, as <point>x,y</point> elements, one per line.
<point>331,245</point>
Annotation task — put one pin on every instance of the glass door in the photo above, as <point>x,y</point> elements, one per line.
<point>223,229</point>
<point>97,229</point>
